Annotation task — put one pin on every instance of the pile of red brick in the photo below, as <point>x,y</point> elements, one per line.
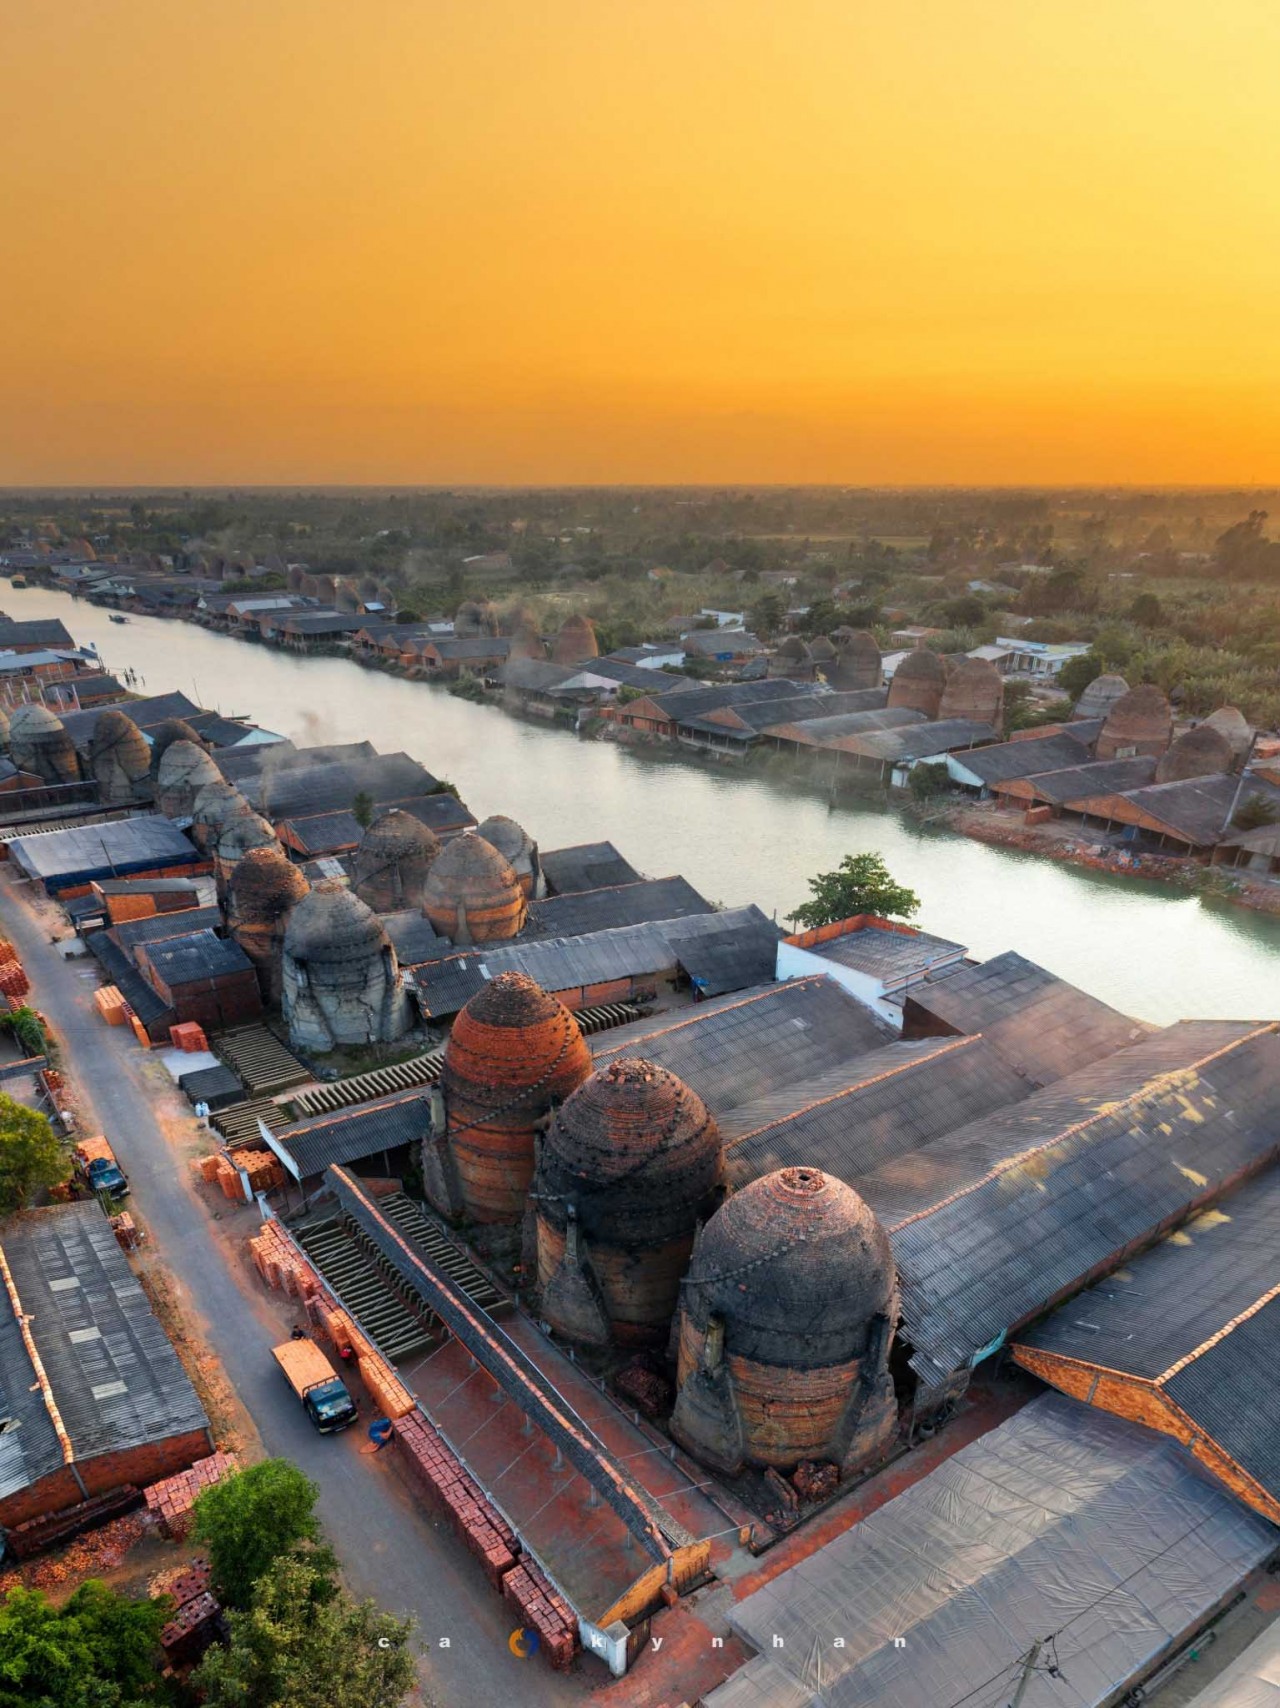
<point>191,1630</point>
<point>188,1037</point>
<point>171,1501</point>
<point>126,1230</point>
<point>549,1614</point>
<point>13,979</point>
<point>438,1475</point>
<point>263,1169</point>
<point>282,1265</point>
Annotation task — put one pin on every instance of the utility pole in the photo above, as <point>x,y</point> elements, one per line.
<point>1028,1667</point>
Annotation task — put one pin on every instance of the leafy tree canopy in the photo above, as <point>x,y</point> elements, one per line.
<point>249,1520</point>
<point>860,884</point>
<point>96,1651</point>
<point>305,1643</point>
<point>30,1155</point>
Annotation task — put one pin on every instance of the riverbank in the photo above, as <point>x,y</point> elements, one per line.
<point>1057,839</point>
<point>737,834</point>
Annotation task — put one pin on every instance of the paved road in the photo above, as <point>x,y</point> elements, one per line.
<point>388,1549</point>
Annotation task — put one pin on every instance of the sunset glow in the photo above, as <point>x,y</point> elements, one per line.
<point>602,241</point>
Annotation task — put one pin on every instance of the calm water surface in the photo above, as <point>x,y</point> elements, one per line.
<point>1153,953</point>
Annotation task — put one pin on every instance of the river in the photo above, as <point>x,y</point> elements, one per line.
<point>1152,952</point>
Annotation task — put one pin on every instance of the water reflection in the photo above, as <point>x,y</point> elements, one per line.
<point>1152,952</point>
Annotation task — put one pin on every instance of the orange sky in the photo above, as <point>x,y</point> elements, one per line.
<point>640,240</point>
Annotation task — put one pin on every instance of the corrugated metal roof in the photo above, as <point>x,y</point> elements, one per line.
<point>1100,776</point>
<point>749,1046</point>
<point>198,956</point>
<point>85,850</point>
<point>413,938</point>
<point>1202,1299</point>
<point>619,904</point>
<point>115,1377</point>
<point>146,1003</point>
<point>325,832</point>
<point>401,1119</point>
<point>1037,1022</point>
<point>1062,1520</point>
<point>1025,758</point>
<point>585,866</point>
<point>890,956</point>
<point>891,1102</point>
<point>990,1223</point>
<point>442,812</point>
<point>916,741</point>
<point>829,731</point>
<point>725,951</point>
<point>332,786</point>
<point>446,985</point>
<point>156,926</point>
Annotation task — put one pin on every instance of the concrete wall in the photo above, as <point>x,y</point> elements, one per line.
<point>796,963</point>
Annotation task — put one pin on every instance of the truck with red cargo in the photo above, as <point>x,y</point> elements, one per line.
<point>97,1166</point>
<point>324,1397</point>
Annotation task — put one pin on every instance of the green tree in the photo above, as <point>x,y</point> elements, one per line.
<point>765,616</point>
<point>305,1643</point>
<point>250,1519</point>
<point>30,1155</point>
<point>1146,611</point>
<point>861,883</point>
<point>926,781</point>
<point>98,1650</point>
<point>1077,673</point>
<point>362,809</point>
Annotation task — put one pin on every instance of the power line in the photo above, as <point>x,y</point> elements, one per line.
<point>1050,1641</point>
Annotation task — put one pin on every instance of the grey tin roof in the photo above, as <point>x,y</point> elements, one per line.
<point>890,956</point>
<point>1199,1316</point>
<point>93,848</point>
<point>585,866</point>
<point>891,1102</point>
<point>113,1372</point>
<point>740,1048</point>
<point>584,911</point>
<point>198,956</point>
<point>1036,1021</point>
<point>331,786</point>
<point>401,1119</point>
<point>446,985</point>
<point>993,1222</point>
<point>157,926</point>
<point>146,1003</point>
<point>1026,758</point>
<point>1100,776</point>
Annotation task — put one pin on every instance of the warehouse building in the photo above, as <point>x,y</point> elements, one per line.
<point>92,1392</point>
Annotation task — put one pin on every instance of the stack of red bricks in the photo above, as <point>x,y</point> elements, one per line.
<point>191,1630</point>
<point>282,1265</point>
<point>13,979</point>
<point>171,1501</point>
<point>438,1475</point>
<point>126,1231</point>
<point>539,1605</point>
<point>188,1037</point>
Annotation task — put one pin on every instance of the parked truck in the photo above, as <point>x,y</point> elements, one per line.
<point>98,1168</point>
<point>323,1394</point>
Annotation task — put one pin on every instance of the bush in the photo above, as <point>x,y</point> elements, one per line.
<point>305,1643</point>
<point>249,1520</point>
<point>95,1651</point>
<point>30,1155</point>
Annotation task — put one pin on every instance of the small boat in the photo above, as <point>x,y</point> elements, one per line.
<point>117,618</point>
